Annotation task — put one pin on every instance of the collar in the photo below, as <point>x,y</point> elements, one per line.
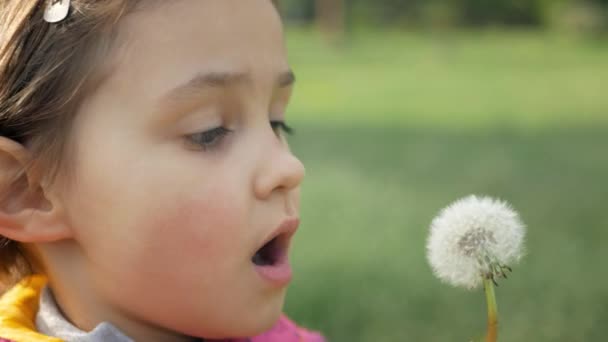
<point>50,321</point>
<point>18,308</point>
<point>28,312</point>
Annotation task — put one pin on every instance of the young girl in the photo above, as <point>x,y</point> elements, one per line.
<point>148,193</point>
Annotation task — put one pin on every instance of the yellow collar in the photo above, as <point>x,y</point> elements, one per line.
<point>18,308</point>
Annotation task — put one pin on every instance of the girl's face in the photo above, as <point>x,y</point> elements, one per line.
<point>167,207</point>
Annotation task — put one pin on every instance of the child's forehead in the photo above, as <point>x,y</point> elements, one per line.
<point>212,21</point>
<point>209,34</point>
<point>162,47</point>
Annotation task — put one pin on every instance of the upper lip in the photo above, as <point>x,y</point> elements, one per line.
<point>284,232</point>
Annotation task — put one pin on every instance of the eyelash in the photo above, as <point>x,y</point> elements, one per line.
<point>210,139</point>
<point>281,126</point>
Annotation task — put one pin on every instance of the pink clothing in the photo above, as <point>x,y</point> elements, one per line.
<point>284,331</point>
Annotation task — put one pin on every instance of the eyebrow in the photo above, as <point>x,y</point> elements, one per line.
<point>204,81</point>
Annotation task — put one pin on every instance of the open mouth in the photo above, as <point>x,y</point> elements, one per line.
<point>271,261</point>
<point>270,253</point>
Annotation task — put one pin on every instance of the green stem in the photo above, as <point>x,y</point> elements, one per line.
<point>492,335</point>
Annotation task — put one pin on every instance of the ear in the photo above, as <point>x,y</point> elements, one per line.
<point>27,214</point>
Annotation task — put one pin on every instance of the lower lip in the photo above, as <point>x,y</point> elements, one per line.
<point>279,274</point>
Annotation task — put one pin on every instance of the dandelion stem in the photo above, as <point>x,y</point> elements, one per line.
<point>492,334</point>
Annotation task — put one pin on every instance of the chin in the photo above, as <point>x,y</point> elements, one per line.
<point>268,321</point>
<point>262,320</point>
<point>248,323</point>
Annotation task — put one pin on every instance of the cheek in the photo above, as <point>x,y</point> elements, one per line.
<point>189,232</point>
<point>187,228</point>
<point>161,227</point>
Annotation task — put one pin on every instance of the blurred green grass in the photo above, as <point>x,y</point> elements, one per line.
<point>393,127</point>
<point>461,79</point>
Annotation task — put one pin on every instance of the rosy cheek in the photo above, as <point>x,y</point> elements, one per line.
<point>192,228</point>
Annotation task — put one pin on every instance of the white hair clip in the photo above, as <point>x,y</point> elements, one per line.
<point>56,10</point>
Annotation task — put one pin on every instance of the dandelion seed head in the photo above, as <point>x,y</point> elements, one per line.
<point>473,238</point>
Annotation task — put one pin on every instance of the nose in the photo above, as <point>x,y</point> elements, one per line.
<point>279,170</point>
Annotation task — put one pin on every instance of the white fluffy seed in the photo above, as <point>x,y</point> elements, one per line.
<point>473,236</point>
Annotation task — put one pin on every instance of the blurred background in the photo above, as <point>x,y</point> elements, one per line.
<point>402,107</point>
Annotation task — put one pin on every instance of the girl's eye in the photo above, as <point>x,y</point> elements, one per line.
<point>209,139</point>
<point>213,137</point>
<point>281,127</point>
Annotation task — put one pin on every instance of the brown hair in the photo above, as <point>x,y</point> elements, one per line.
<point>45,69</point>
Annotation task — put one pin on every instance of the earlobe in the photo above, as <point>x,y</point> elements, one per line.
<point>33,226</point>
<point>26,213</point>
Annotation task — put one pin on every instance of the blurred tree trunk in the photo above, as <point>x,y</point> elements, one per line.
<point>330,17</point>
